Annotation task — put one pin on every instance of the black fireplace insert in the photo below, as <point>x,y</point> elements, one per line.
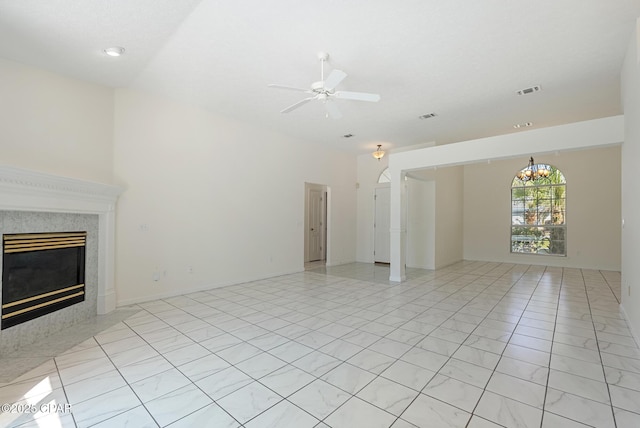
<point>41,273</point>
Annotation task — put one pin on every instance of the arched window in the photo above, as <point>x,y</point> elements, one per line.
<point>538,208</point>
<point>385,176</point>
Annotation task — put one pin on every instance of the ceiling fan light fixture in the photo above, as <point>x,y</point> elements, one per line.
<point>114,51</point>
<point>379,153</point>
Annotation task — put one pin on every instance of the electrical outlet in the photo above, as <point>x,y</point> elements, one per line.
<point>156,276</point>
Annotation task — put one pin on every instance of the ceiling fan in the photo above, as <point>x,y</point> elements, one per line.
<point>324,91</point>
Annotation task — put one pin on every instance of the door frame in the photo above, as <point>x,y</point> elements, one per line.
<point>326,208</point>
<point>373,250</point>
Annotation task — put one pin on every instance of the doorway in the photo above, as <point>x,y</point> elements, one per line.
<point>315,219</point>
<point>382,225</point>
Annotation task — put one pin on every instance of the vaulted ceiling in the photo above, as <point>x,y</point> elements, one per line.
<point>462,60</point>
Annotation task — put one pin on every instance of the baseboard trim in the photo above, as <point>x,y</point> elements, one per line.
<point>634,333</point>
<point>182,291</point>
<point>339,262</point>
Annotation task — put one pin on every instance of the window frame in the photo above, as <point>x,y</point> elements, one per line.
<point>384,177</point>
<point>545,228</point>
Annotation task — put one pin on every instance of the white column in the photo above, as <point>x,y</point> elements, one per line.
<point>398,225</point>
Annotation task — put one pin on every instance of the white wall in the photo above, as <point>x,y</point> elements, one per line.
<point>449,216</point>
<point>54,124</point>
<point>593,209</point>
<point>220,196</point>
<point>421,223</point>
<point>630,199</point>
<point>434,217</point>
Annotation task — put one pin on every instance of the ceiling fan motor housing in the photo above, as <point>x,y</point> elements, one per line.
<point>318,88</point>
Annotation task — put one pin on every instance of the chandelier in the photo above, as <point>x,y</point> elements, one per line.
<point>378,154</point>
<point>534,171</point>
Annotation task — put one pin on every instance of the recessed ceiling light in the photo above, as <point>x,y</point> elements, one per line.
<point>523,125</point>
<point>114,51</point>
<point>427,116</point>
<point>531,90</point>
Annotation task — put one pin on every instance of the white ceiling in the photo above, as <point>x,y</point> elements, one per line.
<point>461,59</point>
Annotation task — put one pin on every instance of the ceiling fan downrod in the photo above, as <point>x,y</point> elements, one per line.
<point>322,56</point>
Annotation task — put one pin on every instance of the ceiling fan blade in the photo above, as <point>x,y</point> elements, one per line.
<point>332,109</point>
<point>357,96</point>
<point>334,79</point>
<point>289,88</point>
<point>296,105</point>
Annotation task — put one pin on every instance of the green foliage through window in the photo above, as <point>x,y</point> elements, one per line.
<point>538,211</point>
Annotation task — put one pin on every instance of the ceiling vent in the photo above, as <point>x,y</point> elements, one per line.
<point>114,51</point>
<point>427,116</point>
<point>527,91</point>
<point>522,125</point>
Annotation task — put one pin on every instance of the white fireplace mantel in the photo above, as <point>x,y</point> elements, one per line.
<point>24,190</point>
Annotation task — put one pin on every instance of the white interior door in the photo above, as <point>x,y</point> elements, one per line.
<point>316,224</point>
<point>382,225</point>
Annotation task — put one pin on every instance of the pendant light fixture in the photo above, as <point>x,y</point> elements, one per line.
<point>379,153</point>
<point>534,171</point>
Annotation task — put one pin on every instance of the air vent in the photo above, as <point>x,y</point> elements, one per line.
<point>527,91</point>
<point>114,51</point>
<point>427,116</point>
<point>347,136</point>
<point>522,125</point>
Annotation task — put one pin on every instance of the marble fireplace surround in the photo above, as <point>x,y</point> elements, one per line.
<point>25,190</point>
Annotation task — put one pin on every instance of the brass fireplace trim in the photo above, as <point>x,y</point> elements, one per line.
<point>41,296</point>
<point>41,305</point>
<point>20,243</point>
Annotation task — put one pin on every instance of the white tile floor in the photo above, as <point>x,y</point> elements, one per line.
<point>474,345</point>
